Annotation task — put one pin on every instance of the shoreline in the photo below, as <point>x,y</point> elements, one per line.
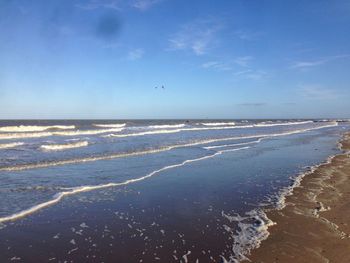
<point>314,223</point>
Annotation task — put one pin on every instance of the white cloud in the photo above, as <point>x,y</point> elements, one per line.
<point>135,54</point>
<point>317,92</point>
<point>197,37</point>
<point>309,64</point>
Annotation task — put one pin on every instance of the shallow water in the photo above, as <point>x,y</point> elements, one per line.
<point>156,190</point>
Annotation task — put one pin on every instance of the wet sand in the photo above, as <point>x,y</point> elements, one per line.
<point>314,226</point>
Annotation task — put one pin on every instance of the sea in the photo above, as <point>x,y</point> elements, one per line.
<point>150,190</point>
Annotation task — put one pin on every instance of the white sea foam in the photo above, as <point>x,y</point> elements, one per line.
<point>251,234</point>
<point>75,190</point>
<point>252,230</point>
<point>176,130</point>
<point>164,131</point>
<point>268,124</point>
<point>61,147</point>
<point>27,128</point>
<point>288,191</point>
<point>218,123</point>
<point>228,145</point>
<point>116,125</point>
<point>4,136</point>
<point>166,126</point>
<point>10,145</point>
<point>143,133</point>
<point>87,132</point>
<point>162,149</point>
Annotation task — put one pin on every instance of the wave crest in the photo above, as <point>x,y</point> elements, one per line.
<point>166,126</point>
<point>116,125</point>
<point>61,147</point>
<point>218,123</point>
<point>34,128</point>
<point>10,145</point>
<point>6,136</point>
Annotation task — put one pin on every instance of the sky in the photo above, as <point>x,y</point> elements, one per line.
<point>90,59</point>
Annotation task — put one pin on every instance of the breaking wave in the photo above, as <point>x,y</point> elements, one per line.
<point>176,130</point>
<point>267,124</point>
<point>26,128</point>
<point>162,149</point>
<point>218,123</point>
<point>87,132</point>
<point>228,145</point>
<point>10,145</point>
<point>61,147</point>
<point>166,126</point>
<point>57,133</point>
<point>116,125</point>
<point>213,127</point>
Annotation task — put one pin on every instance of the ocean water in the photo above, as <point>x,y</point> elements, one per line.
<point>150,190</point>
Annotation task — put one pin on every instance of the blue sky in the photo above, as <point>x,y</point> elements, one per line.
<point>216,59</point>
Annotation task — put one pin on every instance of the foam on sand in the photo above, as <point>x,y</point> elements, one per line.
<point>162,149</point>
<point>27,128</point>
<point>75,190</point>
<point>61,147</point>
<point>252,230</point>
<point>288,191</point>
<point>10,145</point>
<point>116,125</point>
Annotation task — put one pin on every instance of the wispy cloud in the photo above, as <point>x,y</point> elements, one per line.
<point>118,5</point>
<point>135,54</point>
<point>197,37</point>
<point>243,61</point>
<point>317,92</point>
<point>229,66</point>
<point>95,4</point>
<point>248,35</point>
<point>313,63</point>
<point>145,4</point>
<point>251,74</point>
<point>217,65</point>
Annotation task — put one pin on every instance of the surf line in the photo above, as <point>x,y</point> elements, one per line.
<point>166,148</point>
<point>75,190</point>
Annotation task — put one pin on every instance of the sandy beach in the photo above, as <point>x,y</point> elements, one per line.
<point>314,226</point>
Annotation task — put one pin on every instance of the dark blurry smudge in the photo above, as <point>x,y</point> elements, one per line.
<point>108,27</point>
